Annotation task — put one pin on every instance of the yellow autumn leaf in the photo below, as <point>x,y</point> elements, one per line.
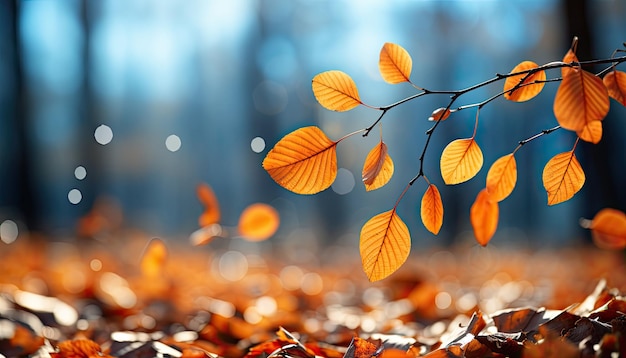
<point>502,177</point>
<point>258,222</point>
<point>484,217</point>
<point>153,258</point>
<point>385,244</point>
<point>304,161</point>
<point>431,209</point>
<point>608,229</point>
<point>591,132</point>
<point>395,63</point>
<point>526,88</point>
<point>581,98</point>
<point>336,91</point>
<point>615,83</point>
<point>378,167</point>
<point>460,161</point>
<point>563,176</point>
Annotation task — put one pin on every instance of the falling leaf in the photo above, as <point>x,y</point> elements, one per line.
<point>431,209</point>
<point>395,63</point>
<point>484,217</point>
<point>378,167</point>
<point>385,244</point>
<point>527,88</point>
<point>460,161</point>
<point>258,222</point>
<point>608,229</point>
<point>591,132</point>
<point>563,177</point>
<point>581,98</point>
<point>439,114</point>
<point>211,214</point>
<point>304,161</point>
<point>153,258</point>
<point>336,91</point>
<point>615,82</point>
<point>502,177</point>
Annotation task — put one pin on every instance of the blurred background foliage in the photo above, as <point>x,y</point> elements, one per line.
<point>140,101</point>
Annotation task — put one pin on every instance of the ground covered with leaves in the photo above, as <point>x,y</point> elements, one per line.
<point>143,297</point>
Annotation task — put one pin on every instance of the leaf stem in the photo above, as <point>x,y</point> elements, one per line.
<point>350,135</point>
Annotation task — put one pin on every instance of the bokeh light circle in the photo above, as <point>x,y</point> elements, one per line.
<point>103,134</point>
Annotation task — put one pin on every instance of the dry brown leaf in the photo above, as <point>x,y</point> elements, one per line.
<point>378,167</point>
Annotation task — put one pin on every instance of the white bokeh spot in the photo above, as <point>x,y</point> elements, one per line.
<point>344,183</point>
<point>257,144</point>
<point>173,143</point>
<point>103,134</point>
<point>74,196</point>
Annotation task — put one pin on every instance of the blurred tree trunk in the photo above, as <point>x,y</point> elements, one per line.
<point>19,192</point>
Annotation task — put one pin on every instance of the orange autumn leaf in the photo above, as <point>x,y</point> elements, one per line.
<point>570,57</point>
<point>211,214</point>
<point>608,229</point>
<point>395,63</point>
<point>581,98</point>
<point>526,88</point>
<point>562,177</point>
<point>439,114</point>
<point>502,177</point>
<point>304,161</point>
<point>431,209</point>
<point>26,339</point>
<point>591,132</point>
<point>336,91</point>
<point>460,161</point>
<point>448,352</point>
<point>378,167</point>
<point>78,348</point>
<point>396,353</point>
<point>362,348</point>
<point>615,83</point>
<point>258,222</point>
<point>384,245</point>
<point>484,217</point>
<point>153,258</point>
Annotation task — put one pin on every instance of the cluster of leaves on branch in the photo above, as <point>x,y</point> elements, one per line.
<point>305,160</point>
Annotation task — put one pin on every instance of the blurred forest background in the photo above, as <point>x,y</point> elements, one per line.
<point>140,101</point>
